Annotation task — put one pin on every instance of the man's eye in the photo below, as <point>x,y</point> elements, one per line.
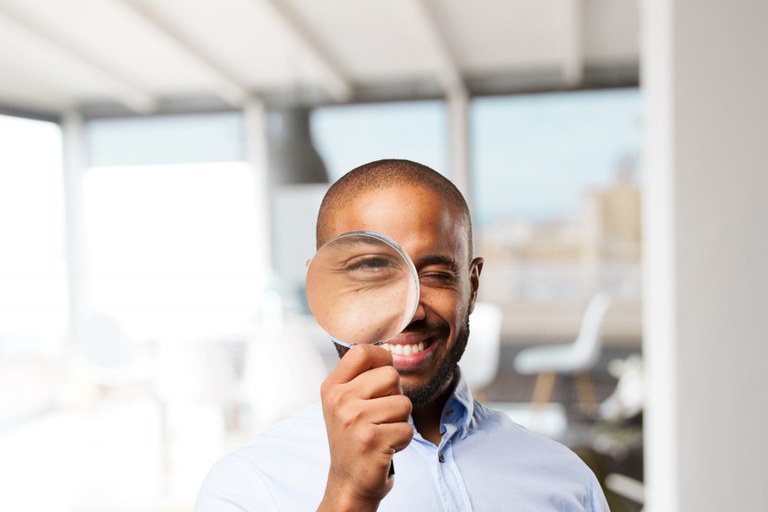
<point>374,267</point>
<point>371,264</point>
<point>438,277</point>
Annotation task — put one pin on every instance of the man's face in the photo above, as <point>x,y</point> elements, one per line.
<point>434,234</point>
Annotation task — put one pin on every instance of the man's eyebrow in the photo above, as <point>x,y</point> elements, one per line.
<point>437,259</point>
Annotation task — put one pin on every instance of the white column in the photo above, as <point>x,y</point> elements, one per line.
<point>457,101</point>
<point>255,133</point>
<point>573,51</point>
<point>74,167</point>
<point>705,82</point>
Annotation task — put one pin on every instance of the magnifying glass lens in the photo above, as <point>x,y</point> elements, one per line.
<point>362,288</point>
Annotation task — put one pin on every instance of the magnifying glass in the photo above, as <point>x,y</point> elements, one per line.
<point>362,288</point>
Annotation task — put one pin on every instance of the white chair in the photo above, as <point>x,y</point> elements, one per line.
<point>107,358</point>
<point>574,358</point>
<point>480,362</point>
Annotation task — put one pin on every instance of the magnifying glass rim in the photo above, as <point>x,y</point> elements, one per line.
<point>411,269</point>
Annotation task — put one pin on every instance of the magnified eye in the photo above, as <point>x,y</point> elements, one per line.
<point>362,288</point>
<point>372,267</point>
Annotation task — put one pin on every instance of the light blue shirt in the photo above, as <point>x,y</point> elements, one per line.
<point>485,462</point>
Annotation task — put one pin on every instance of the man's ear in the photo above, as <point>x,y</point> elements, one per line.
<point>474,280</point>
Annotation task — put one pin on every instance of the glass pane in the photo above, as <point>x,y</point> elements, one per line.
<point>352,135</point>
<point>165,139</point>
<point>33,298</point>
<point>173,250</point>
<point>556,197</point>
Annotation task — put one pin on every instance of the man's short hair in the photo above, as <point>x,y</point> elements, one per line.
<point>383,174</point>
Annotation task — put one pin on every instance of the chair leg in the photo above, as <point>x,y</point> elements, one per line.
<point>585,393</point>
<point>542,391</point>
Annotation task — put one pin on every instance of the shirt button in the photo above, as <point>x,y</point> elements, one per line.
<point>440,457</point>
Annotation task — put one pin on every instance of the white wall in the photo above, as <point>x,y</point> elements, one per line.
<point>705,79</point>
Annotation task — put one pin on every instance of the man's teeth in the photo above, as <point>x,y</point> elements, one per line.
<point>405,350</point>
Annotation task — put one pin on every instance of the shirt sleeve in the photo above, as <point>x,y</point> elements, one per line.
<point>596,501</point>
<point>232,486</point>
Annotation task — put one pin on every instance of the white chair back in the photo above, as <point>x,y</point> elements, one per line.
<point>589,342</point>
<point>480,362</point>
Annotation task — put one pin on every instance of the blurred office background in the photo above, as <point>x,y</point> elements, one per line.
<point>161,166</point>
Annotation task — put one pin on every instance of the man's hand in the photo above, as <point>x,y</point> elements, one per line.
<point>366,416</point>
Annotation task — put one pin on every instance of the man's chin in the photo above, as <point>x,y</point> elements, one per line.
<point>425,393</point>
<point>442,378</point>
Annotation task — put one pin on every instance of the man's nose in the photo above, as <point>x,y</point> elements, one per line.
<point>421,312</point>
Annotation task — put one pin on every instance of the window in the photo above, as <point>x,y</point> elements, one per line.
<point>173,250</point>
<point>172,229</point>
<point>556,190</point>
<point>353,135</point>
<point>557,209</point>
<point>33,287</point>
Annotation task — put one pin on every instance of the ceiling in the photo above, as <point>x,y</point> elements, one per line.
<point>146,56</point>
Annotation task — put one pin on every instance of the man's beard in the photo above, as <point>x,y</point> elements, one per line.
<point>444,376</point>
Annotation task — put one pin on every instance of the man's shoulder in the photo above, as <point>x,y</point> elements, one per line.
<point>299,423</point>
<point>303,428</point>
<point>499,430</point>
<point>535,462</point>
<point>252,475</point>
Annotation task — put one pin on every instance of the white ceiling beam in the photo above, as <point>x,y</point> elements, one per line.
<point>449,73</point>
<point>573,50</point>
<point>226,86</point>
<point>121,88</point>
<point>339,86</point>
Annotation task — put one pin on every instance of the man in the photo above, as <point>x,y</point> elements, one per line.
<point>381,406</point>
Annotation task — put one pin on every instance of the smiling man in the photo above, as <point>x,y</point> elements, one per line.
<point>404,402</point>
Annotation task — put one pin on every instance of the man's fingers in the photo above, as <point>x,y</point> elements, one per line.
<point>357,360</point>
<point>382,381</point>
<point>343,405</point>
<point>389,409</point>
<point>381,441</point>
<point>396,435</point>
<point>347,398</point>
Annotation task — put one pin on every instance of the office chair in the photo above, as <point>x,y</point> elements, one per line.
<point>575,358</point>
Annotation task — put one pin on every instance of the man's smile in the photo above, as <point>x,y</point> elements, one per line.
<point>405,350</point>
<point>410,349</point>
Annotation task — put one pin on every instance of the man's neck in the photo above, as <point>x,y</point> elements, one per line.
<point>426,418</point>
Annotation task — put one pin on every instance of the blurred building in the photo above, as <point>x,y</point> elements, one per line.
<point>610,225</point>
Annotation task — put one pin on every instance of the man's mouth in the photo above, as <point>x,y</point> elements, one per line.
<point>410,350</point>
<point>406,349</point>
<point>416,346</point>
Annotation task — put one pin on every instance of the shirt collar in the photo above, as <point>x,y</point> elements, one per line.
<point>458,412</point>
